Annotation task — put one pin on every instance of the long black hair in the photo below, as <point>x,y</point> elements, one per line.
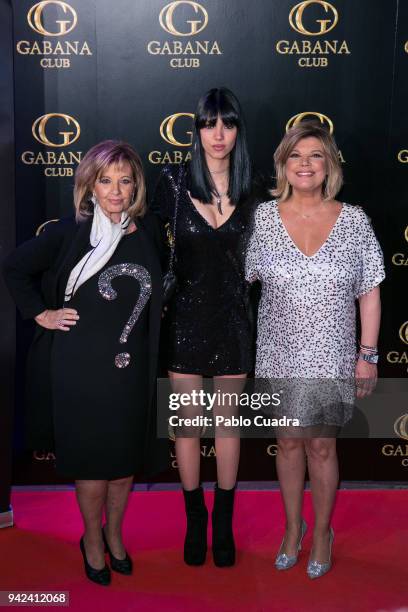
<point>220,102</point>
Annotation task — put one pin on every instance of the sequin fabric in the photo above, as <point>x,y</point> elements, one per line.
<point>208,330</point>
<point>307,312</point>
<point>140,274</point>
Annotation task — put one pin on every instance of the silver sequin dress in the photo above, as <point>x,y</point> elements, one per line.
<point>307,312</point>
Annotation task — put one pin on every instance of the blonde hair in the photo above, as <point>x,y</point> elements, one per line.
<point>305,129</point>
<point>91,167</point>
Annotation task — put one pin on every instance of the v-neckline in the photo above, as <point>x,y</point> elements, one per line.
<point>215,229</point>
<point>323,243</point>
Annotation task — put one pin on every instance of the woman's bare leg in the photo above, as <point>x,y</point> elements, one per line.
<point>187,448</point>
<point>291,466</point>
<point>324,477</point>
<point>227,448</point>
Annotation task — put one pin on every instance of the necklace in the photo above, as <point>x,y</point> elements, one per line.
<point>308,215</point>
<point>218,198</point>
<point>219,171</point>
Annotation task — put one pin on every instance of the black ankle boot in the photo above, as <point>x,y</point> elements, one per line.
<point>223,545</point>
<point>195,543</point>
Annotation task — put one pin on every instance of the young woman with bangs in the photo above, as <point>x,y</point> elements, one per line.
<point>207,205</point>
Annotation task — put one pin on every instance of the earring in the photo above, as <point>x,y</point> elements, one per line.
<point>94,199</point>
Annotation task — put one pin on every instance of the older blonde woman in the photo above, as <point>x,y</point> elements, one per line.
<point>314,256</point>
<point>97,311</point>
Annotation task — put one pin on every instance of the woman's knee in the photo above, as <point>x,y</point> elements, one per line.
<point>289,446</point>
<point>320,449</point>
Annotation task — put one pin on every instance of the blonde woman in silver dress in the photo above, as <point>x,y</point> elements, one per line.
<point>314,256</point>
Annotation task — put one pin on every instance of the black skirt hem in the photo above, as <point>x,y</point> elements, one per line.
<point>204,372</point>
<point>64,473</point>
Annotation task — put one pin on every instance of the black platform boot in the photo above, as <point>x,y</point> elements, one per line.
<point>195,543</point>
<point>223,545</point>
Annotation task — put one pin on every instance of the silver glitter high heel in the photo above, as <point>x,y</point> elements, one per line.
<point>283,561</point>
<point>315,569</point>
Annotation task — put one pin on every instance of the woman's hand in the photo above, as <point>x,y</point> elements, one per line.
<point>61,319</point>
<point>366,377</point>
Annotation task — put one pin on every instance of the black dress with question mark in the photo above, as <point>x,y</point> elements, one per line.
<point>100,370</point>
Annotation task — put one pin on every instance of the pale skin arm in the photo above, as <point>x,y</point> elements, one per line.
<point>61,319</point>
<point>370,315</point>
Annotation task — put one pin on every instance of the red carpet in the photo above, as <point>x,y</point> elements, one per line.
<point>370,569</point>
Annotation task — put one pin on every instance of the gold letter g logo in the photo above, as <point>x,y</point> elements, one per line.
<point>324,120</point>
<point>40,124</point>
<point>296,18</point>
<point>34,18</point>
<point>401,426</point>
<point>196,26</point>
<point>403,332</point>
<point>167,127</point>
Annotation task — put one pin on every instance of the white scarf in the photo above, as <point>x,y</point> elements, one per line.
<point>105,237</point>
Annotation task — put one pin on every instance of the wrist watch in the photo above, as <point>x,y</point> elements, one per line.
<point>369,358</point>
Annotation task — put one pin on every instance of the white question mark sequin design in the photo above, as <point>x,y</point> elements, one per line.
<point>106,290</point>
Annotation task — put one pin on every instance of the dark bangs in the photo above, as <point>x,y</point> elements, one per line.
<point>215,104</point>
<point>220,102</point>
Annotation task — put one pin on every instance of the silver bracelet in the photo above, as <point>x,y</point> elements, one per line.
<point>370,349</point>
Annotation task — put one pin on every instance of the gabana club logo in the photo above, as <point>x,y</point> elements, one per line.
<point>184,20</point>
<point>401,259</point>
<point>400,357</point>
<point>314,20</point>
<point>175,130</point>
<point>53,20</point>
<point>54,131</point>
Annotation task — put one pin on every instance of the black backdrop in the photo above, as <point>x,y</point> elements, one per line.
<point>7,313</point>
<point>86,70</point>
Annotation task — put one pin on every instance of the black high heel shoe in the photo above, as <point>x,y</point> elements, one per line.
<point>102,576</point>
<point>122,566</point>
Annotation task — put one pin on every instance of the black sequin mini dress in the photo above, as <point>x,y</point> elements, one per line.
<point>208,325</point>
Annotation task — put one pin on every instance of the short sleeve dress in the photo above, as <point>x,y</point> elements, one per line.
<point>307,312</point>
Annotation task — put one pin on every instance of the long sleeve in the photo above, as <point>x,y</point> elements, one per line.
<point>162,203</point>
<point>24,267</point>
